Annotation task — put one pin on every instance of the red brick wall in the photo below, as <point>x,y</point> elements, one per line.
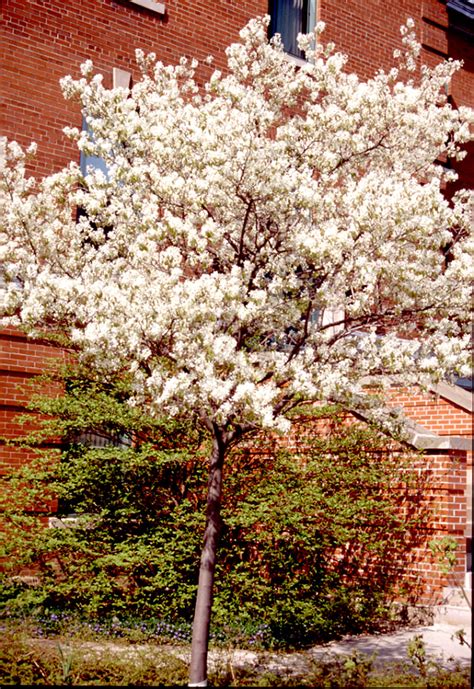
<point>367,30</point>
<point>43,40</point>
<point>447,500</point>
<point>434,412</point>
<point>440,496</point>
<point>20,360</point>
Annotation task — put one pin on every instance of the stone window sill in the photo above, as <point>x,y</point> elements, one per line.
<point>158,7</point>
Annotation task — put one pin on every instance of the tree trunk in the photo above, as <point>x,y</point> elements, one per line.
<point>202,614</point>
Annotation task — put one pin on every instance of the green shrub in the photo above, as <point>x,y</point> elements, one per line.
<point>311,541</point>
<point>325,531</point>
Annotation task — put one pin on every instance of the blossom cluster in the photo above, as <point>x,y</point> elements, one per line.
<point>278,234</point>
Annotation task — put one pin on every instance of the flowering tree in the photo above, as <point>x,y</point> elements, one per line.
<point>275,236</point>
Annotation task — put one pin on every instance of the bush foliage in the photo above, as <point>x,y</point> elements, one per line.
<point>312,535</point>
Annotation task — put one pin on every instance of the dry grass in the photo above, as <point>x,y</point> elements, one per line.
<point>74,662</point>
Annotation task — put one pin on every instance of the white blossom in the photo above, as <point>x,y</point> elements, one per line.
<point>230,220</point>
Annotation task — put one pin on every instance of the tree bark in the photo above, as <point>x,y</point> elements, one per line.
<point>202,614</point>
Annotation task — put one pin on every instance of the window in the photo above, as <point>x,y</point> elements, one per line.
<point>88,162</point>
<point>465,7</point>
<point>461,16</point>
<point>289,18</point>
<point>466,383</point>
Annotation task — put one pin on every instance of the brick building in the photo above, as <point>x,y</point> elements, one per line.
<point>42,40</point>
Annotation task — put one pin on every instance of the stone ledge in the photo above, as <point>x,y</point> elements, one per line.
<point>455,394</point>
<point>158,7</point>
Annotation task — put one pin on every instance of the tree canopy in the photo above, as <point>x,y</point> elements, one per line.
<point>277,234</point>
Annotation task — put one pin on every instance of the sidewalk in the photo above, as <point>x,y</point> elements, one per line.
<point>439,639</point>
<point>440,642</point>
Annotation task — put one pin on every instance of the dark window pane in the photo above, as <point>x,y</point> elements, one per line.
<point>289,18</point>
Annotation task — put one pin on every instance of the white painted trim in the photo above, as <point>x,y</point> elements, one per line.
<point>3,150</point>
<point>121,78</point>
<point>158,7</point>
<point>301,62</point>
<point>468,581</point>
